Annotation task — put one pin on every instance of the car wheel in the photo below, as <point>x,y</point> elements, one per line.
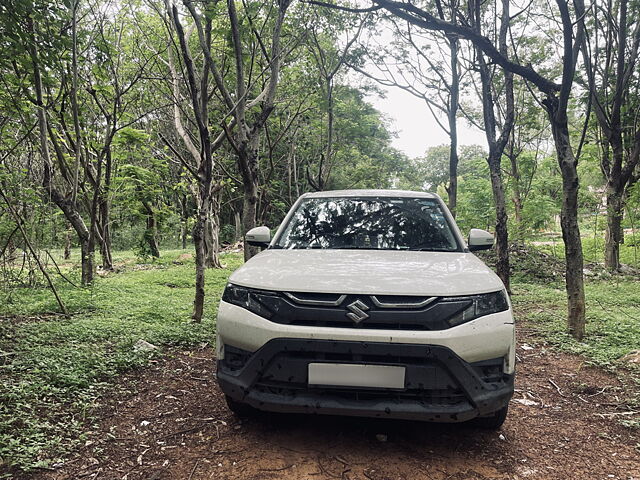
<point>240,409</point>
<point>492,422</point>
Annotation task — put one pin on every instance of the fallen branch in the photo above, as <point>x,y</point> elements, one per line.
<point>614,414</point>
<point>193,470</point>
<point>557,387</point>
<point>276,469</point>
<point>58,269</point>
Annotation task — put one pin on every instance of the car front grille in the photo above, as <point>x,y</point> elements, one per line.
<point>381,312</point>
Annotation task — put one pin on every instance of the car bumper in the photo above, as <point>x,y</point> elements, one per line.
<point>439,385</point>
<point>484,338</point>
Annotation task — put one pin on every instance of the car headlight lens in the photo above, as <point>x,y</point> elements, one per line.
<point>481,305</point>
<point>247,298</point>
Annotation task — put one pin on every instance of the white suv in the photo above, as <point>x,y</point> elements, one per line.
<point>368,303</point>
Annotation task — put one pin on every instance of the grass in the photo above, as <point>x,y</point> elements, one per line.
<point>613,325</point>
<point>53,370</point>
<point>593,249</point>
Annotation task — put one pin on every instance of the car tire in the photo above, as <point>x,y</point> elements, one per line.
<point>240,409</point>
<point>492,422</point>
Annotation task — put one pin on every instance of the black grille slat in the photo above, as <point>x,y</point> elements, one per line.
<point>293,309</point>
<point>428,397</point>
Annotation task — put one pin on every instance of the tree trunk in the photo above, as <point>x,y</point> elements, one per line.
<point>502,234</point>
<point>104,228</point>
<point>250,200</point>
<point>570,228</point>
<point>237,220</point>
<point>497,145</point>
<point>51,192</point>
<point>613,236</point>
<point>517,194</point>
<point>104,214</point>
<point>151,232</point>
<point>452,189</point>
<point>87,259</point>
<point>198,241</point>
<point>212,236</point>
<point>249,216</point>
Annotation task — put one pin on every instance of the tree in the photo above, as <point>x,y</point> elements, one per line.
<point>610,55</point>
<point>329,60</point>
<point>243,133</point>
<point>428,68</point>
<point>25,32</point>
<point>556,102</point>
<point>497,143</point>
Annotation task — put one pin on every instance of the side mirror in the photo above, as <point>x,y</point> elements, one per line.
<point>259,237</point>
<point>479,240</point>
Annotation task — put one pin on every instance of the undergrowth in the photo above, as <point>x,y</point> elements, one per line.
<point>53,370</point>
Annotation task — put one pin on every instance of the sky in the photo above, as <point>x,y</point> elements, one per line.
<point>414,123</point>
<point>409,116</point>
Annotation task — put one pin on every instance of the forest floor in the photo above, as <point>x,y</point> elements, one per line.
<point>562,425</point>
<point>91,407</point>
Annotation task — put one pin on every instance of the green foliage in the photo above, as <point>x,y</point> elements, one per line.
<point>55,370</point>
<point>613,329</point>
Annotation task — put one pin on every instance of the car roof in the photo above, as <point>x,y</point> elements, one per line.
<point>370,193</point>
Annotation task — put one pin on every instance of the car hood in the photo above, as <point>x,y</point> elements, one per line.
<point>368,272</point>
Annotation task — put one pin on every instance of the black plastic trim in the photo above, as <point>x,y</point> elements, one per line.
<point>439,385</point>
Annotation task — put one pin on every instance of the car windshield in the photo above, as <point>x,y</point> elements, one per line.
<point>369,223</point>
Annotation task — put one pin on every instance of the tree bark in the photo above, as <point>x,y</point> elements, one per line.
<point>104,228</point>
<point>497,145</point>
<point>609,96</point>
<point>613,235</point>
<point>104,206</point>
<point>183,221</point>
<point>212,234</point>
<point>204,175</point>
<point>237,221</point>
<point>247,134</point>
<point>198,241</point>
<point>151,232</point>
<point>517,189</point>
<point>249,159</point>
<point>454,101</point>
<point>570,228</point>
<point>502,235</point>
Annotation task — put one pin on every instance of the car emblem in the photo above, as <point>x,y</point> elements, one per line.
<point>358,309</point>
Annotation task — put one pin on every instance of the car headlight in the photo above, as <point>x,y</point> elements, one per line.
<point>479,306</point>
<point>247,298</point>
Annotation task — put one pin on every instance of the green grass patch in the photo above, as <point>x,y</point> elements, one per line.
<point>53,370</point>
<point>593,249</point>
<point>613,323</point>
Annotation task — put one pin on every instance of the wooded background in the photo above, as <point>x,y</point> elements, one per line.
<point>146,124</point>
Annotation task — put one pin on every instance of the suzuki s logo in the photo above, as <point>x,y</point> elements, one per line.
<point>358,309</point>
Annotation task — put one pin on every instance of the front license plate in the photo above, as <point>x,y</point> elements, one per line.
<point>350,375</point>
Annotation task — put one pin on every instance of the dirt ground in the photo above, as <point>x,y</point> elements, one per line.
<point>562,425</point>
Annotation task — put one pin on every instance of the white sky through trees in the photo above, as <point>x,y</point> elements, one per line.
<point>415,126</point>
<point>409,116</point>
